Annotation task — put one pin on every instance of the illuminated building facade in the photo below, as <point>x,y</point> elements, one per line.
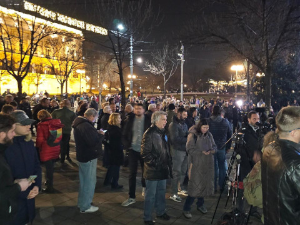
<point>56,61</point>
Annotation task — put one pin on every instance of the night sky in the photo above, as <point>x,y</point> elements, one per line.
<point>175,13</point>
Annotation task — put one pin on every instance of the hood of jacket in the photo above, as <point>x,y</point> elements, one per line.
<point>80,120</point>
<point>216,118</point>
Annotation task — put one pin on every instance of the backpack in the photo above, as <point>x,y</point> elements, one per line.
<point>55,133</point>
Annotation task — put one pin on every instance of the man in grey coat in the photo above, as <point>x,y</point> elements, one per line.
<point>178,132</point>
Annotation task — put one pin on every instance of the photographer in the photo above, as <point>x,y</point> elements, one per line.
<point>250,151</point>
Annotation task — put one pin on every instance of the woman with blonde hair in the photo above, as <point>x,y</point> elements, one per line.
<point>48,137</point>
<point>115,151</point>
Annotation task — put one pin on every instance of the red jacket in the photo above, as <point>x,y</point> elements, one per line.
<point>46,152</point>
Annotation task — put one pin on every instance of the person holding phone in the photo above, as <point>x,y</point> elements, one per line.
<point>9,188</point>
<point>200,147</point>
<point>23,161</point>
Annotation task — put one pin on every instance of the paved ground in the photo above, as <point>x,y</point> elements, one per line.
<point>61,207</point>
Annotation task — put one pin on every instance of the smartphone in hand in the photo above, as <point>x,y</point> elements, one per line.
<point>32,178</point>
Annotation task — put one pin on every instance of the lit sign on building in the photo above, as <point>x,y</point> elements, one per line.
<point>64,19</point>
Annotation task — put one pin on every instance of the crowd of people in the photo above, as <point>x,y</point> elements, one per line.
<point>185,141</point>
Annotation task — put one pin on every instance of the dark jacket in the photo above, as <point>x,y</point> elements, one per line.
<point>127,130</point>
<point>115,147</point>
<point>204,112</point>
<point>47,152</point>
<point>289,186</point>
<point>9,191</point>
<point>94,105</point>
<point>178,131</point>
<point>149,113</point>
<point>26,108</point>
<point>87,139</point>
<point>104,121</point>
<point>155,152</point>
<point>66,117</point>
<point>221,131</point>
<point>190,121</point>
<point>22,158</point>
<point>253,143</point>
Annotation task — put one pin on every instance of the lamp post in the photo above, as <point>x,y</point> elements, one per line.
<point>181,55</point>
<point>80,72</point>
<point>236,68</point>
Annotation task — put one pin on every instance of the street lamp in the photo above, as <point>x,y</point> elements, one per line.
<point>80,72</point>
<point>120,27</point>
<point>236,68</point>
<point>139,60</point>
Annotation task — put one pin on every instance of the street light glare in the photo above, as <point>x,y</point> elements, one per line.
<point>237,67</point>
<point>139,60</point>
<point>120,27</point>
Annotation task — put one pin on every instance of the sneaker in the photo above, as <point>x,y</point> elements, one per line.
<point>117,187</point>
<point>149,222</point>
<point>175,198</point>
<point>187,215</point>
<point>202,209</point>
<point>164,216</point>
<point>129,202</point>
<point>143,192</point>
<point>48,190</point>
<point>91,209</point>
<point>183,192</point>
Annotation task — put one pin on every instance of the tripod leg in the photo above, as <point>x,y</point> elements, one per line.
<point>217,206</point>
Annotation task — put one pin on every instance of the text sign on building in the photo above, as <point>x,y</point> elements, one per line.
<point>64,19</point>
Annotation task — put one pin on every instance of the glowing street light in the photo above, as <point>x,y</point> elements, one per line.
<point>139,60</point>
<point>236,68</point>
<point>104,86</point>
<point>132,76</point>
<point>120,27</point>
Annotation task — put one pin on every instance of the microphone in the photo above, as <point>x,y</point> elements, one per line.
<point>238,158</point>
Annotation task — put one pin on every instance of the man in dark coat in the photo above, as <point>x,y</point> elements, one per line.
<point>23,160</point>
<point>190,120</point>
<point>204,111</point>
<point>88,142</point>
<point>133,131</point>
<point>221,130</point>
<point>66,117</point>
<point>158,168</point>
<point>44,104</point>
<point>9,189</point>
<point>178,132</point>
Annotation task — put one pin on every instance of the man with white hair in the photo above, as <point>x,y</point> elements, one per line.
<point>151,109</point>
<point>158,167</point>
<point>88,141</point>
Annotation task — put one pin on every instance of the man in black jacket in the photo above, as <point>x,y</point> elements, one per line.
<point>88,142</point>
<point>133,131</point>
<point>158,167</point>
<point>9,189</point>
<point>190,120</point>
<point>178,131</point>
<point>280,171</point>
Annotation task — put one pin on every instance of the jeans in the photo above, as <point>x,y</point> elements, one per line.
<point>133,158</point>
<point>112,176</point>
<point>87,183</point>
<point>179,159</point>
<point>49,172</point>
<point>154,198</point>
<point>220,168</point>
<point>65,147</point>
<point>189,202</point>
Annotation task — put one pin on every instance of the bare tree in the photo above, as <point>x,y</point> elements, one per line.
<point>137,19</point>
<point>164,63</point>
<point>64,57</point>
<point>259,30</point>
<point>20,37</point>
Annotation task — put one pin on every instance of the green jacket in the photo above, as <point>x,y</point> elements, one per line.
<point>66,117</point>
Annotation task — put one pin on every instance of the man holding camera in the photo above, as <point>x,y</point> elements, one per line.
<point>250,151</point>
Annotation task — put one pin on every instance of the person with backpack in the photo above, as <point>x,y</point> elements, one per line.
<point>115,151</point>
<point>201,148</point>
<point>221,130</point>
<point>49,135</point>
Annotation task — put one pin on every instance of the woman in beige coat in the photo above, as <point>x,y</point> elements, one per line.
<point>200,147</point>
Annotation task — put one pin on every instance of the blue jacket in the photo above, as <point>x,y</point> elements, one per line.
<point>221,130</point>
<point>22,158</point>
